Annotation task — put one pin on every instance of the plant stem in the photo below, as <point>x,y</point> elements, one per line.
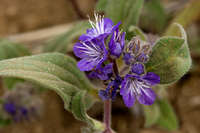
<point>116,71</point>
<point>108,104</point>
<point>107,116</point>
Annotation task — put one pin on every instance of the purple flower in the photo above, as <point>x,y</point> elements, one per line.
<point>16,112</point>
<point>111,90</point>
<point>10,108</point>
<point>137,51</point>
<point>137,68</point>
<point>93,54</point>
<point>98,55</point>
<point>103,73</point>
<point>19,102</point>
<point>117,43</point>
<point>128,58</point>
<point>104,94</point>
<point>138,86</point>
<point>101,28</point>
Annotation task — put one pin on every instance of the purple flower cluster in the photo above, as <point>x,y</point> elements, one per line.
<point>17,113</point>
<point>21,103</point>
<point>99,49</point>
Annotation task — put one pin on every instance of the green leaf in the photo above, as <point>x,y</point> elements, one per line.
<point>152,114</point>
<point>162,114</point>
<point>101,5</point>
<point>170,57</point>
<point>59,73</point>
<point>64,43</point>
<point>132,12</point>
<point>167,119</point>
<point>78,109</point>
<point>89,130</point>
<point>10,49</point>
<point>114,10</point>
<point>4,122</point>
<point>154,11</point>
<point>9,83</point>
<point>127,12</point>
<point>135,31</point>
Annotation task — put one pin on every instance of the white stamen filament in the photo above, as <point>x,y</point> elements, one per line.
<point>98,25</point>
<point>92,51</point>
<point>136,87</point>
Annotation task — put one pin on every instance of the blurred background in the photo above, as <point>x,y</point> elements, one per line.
<point>21,17</point>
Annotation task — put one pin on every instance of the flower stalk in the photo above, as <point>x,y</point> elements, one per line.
<point>107,116</point>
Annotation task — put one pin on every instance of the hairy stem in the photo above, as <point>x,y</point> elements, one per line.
<point>108,103</point>
<point>116,71</point>
<point>107,116</point>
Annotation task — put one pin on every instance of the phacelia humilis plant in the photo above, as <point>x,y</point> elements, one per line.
<point>99,50</point>
<point>114,51</point>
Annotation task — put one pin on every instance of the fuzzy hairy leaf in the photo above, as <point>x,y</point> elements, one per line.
<point>170,57</point>
<point>167,119</point>
<point>153,16</point>
<point>64,43</point>
<point>152,114</point>
<point>127,12</point>
<point>79,111</point>
<point>132,12</point>
<point>9,83</point>
<point>10,49</point>
<point>136,31</point>
<point>162,114</point>
<point>56,72</point>
<point>114,10</point>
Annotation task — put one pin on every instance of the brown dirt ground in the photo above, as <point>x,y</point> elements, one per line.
<point>25,15</point>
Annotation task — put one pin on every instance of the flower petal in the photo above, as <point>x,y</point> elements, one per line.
<point>108,25</point>
<point>87,64</point>
<point>10,108</point>
<point>116,27</point>
<point>117,42</point>
<point>126,91</point>
<point>103,76</point>
<point>129,100</point>
<point>116,50</point>
<point>123,40</point>
<point>102,73</point>
<point>137,68</point>
<point>92,75</point>
<point>151,78</point>
<point>128,58</point>
<point>85,37</point>
<point>125,86</point>
<point>147,96</point>
<point>92,52</point>
<point>79,50</point>
<point>142,57</point>
<point>104,95</point>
